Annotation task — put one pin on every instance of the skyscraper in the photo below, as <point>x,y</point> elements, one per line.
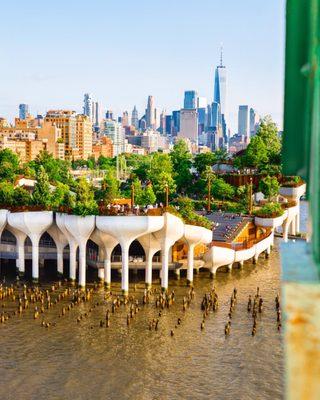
<point>23,111</point>
<point>87,105</point>
<point>109,114</point>
<point>243,122</point>
<point>175,122</point>
<point>254,121</point>
<point>150,113</point>
<point>220,92</point>
<point>168,124</point>
<point>96,114</point>
<point>190,99</point>
<point>125,119</point>
<point>163,122</point>
<point>189,125</point>
<point>135,118</point>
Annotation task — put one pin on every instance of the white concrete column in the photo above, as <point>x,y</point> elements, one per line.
<point>72,260</point>
<point>268,251</point>
<point>212,273</point>
<point>229,267</point>
<point>35,256</point>
<point>165,267</point>
<point>125,267</point>
<point>190,263</point>
<point>82,264</point>
<point>293,226</point>
<point>148,273</point>
<point>60,260</point>
<point>107,270</point>
<point>20,262</point>
<point>241,263</point>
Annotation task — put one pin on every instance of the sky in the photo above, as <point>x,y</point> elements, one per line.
<point>121,51</point>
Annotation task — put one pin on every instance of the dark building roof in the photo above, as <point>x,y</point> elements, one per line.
<point>227,225</point>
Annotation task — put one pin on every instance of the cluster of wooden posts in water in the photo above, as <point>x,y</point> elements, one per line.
<point>21,297</point>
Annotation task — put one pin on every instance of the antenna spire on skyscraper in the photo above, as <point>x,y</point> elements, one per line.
<point>221,55</point>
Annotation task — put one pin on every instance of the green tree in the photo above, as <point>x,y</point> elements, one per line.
<point>60,196</point>
<point>57,170</point>
<point>138,192</point>
<point>9,165</point>
<point>268,132</point>
<point>85,203</point>
<point>204,160</point>
<point>181,163</point>
<point>222,190</point>
<point>159,185</point>
<point>6,193</point>
<point>21,197</point>
<point>41,194</point>
<point>111,186</point>
<point>256,155</point>
<point>269,186</point>
<point>148,196</point>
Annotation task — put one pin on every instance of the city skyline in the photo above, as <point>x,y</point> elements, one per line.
<point>163,68</point>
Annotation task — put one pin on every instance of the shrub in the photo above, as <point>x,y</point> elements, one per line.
<point>21,197</point>
<point>270,210</point>
<point>292,181</point>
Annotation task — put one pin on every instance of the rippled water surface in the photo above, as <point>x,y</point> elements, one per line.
<point>84,361</point>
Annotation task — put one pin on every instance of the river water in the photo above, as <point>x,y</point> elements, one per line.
<point>82,360</point>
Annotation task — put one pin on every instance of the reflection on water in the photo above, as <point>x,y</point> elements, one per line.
<point>84,361</point>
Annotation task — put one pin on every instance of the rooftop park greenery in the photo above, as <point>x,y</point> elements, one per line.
<point>269,210</point>
<point>269,186</point>
<point>292,181</point>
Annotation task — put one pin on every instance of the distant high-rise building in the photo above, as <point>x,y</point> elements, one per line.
<point>23,111</point>
<point>175,122</point>
<point>109,114</point>
<point>163,122</point>
<point>202,116</point>
<point>169,124</point>
<point>220,92</point>
<point>143,124</point>
<point>114,131</point>
<point>125,119</point>
<point>87,105</point>
<point>135,118</point>
<point>254,121</point>
<point>150,113</point>
<point>244,122</point>
<point>190,99</point>
<point>96,114</point>
<point>189,125</point>
<point>216,115</point>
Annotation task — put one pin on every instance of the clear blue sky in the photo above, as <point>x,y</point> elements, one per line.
<point>122,51</point>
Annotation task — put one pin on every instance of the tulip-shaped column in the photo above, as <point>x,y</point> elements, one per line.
<point>20,239</point>
<point>73,245</point>
<point>80,228</point>
<point>61,241</point>
<point>126,229</point>
<point>172,231</point>
<point>107,243</point>
<point>194,235</point>
<point>33,224</point>
<point>150,246</point>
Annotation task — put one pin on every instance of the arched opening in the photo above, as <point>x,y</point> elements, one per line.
<point>137,260</point>
<point>47,257</point>
<point>8,255</point>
